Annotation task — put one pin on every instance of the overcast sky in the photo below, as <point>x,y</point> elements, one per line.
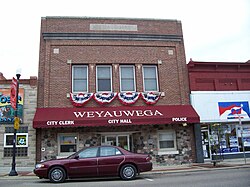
<point>214,30</point>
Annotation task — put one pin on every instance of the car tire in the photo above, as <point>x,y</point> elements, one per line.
<point>57,175</point>
<point>128,172</point>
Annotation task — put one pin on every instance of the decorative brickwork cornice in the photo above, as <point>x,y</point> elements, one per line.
<point>111,36</point>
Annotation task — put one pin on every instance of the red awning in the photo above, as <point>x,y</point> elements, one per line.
<point>105,116</point>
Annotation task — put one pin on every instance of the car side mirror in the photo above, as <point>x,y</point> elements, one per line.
<point>76,157</point>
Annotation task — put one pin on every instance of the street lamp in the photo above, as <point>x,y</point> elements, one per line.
<point>13,168</point>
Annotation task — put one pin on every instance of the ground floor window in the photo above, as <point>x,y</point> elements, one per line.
<point>229,138</point>
<point>67,143</point>
<point>246,136</point>
<point>21,139</point>
<point>167,140</point>
<point>225,138</point>
<point>21,142</point>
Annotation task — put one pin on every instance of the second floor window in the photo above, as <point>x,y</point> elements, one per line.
<point>103,79</point>
<point>150,78</point>
<point>80,78</point>
<point>127,78</point>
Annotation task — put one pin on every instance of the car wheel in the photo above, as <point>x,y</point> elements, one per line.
<point>128,172</point>
<point>57,174</point>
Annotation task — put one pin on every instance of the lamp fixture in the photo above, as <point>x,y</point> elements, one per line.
<point>184,124</point>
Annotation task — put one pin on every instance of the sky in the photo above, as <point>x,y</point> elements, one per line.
<point>213,30</point>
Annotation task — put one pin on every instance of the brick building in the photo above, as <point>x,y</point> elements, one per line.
<point>220,93</point>
<point>26,135</point>
<point>114,81</point>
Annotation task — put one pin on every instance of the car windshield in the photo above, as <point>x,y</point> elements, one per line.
<point>76,153</point>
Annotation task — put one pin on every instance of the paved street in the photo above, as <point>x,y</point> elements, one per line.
<point>225,177</point>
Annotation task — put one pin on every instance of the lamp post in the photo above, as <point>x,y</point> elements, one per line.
<point>13,168</point>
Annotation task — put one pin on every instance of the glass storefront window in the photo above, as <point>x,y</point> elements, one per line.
<point>244,132</point>
<point>226,138</point>
<point>68,143</point>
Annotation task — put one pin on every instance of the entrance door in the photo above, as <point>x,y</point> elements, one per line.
<point>117,140</point>
<point>110,140</point>
<point>205,144</point>
<point>123,141</point>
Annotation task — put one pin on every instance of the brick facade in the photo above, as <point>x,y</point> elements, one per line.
<point>67,41</point>
<point>212,83</point>
<point>219,76</point>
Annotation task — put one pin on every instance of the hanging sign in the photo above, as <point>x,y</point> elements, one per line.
<point>16,123</point>
<point>13,93</point>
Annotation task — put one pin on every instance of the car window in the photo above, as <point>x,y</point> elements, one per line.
<point>109,151</point>
<point>88,153</point>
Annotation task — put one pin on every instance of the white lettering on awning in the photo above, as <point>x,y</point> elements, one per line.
<point>121,113</point>
<point>55,123</point>
<point>180,119</point>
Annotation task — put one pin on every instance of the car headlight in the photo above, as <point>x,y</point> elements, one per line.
<point>39,166</point>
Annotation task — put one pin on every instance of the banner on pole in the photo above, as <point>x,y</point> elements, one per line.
<point>13,93</point>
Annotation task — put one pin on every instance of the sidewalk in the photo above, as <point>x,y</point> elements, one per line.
<point>27,172</point>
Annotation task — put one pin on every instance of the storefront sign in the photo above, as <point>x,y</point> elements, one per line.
<point>120,113</point>
<point>55,123</point>
<point>234,110</point>
<point>103,116</point>
<point>119,121</point>
<point>221,106</point>
<point>182,119</point>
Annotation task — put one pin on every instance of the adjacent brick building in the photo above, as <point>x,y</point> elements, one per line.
<point>114,81</point>
<point>220,93</point>
<point>26,135</point>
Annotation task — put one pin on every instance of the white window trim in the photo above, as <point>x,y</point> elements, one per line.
<point>168,150</point>
<point>17,134</point>
<point>61,155</point>
<point>121,66</point>
<point>72,78</point>
<point>157,81</point>
<point>110,67</point>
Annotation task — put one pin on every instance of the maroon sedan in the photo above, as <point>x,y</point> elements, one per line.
<point>94,162</point>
